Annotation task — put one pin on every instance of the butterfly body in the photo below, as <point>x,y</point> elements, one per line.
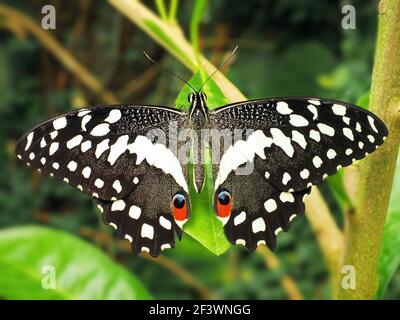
<point>266,155</point>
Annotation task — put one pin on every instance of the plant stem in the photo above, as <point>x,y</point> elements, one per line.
<point>197,15</point>
<point>173,8</point>
<point>171,37</point>
<point>287,282</point>
<point>161,9</point>
<point>364,225</point>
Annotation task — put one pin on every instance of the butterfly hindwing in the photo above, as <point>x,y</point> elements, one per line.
<point>291,144</point>
<point>259,210</point>
<point>144,216</point>
<point>106,152</point>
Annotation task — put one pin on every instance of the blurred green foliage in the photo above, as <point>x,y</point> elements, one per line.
<point>285,48</point>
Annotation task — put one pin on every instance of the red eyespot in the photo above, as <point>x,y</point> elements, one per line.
<point>179,207</point>
<point>224,204</point>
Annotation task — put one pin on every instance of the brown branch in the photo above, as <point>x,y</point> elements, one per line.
<point>329,236</point>
<point>364,225</point>
<point>14,17</point>
<point>287,282</point>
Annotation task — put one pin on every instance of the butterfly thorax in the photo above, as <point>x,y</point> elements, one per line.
<point>198,111</point>
<point>198,120</point>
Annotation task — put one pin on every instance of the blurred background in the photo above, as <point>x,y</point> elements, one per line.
<point>285,48</point>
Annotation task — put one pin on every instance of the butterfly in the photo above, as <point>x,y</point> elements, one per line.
<point>140,183</point>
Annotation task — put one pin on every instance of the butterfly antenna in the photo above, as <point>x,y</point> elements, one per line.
<point>165,69</point>
<point>220,67</point>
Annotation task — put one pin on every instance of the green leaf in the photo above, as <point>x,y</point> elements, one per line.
<point>215,97</point>
<point>363,101</point>
<point>390,255</point>
<point>81,270</point>
<point>203,224</point>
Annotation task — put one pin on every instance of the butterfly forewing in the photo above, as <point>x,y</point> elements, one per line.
<point>106,152</point>
<point>293,143</point>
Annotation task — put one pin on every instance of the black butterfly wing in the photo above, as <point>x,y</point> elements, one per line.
<point>108,152</point>
<point>293,143</point>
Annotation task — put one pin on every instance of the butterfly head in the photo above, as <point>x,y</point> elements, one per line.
<point>197,99</point>
<point>198,112</point>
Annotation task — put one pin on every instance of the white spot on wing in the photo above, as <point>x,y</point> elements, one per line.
<point>239,218</point>
<point>86,146</point>
<point>286,197</point>
<point>113,116</point>
<point>165,223</point>
<point>258,225</point>
<point>165,246</point>
<point>270,205</point>
<point>304,173</point>
<point>72,165</point>
<point>313,110</point>
<point>117,149</point>
<point>299,139</point>
<point>348,133</point>
<point>43,143</point>
<point>53,148</point>
<point>100,130</point>
<point>29,140</point>
<point>283,108</point>
<point>316,102</point>
<point>84,121</point>
<point>56,165</point>
<point>117,186</point>
<point>314,134</point>
<point>75,141</point>
<point>298,120</point>
<point>339,109</point>
<point>86,172</point>
<point>331,154</point>
<point>118,205</point>
<point>286,178</point>
<point>101,147</point>
<point>60,123</point>
<point>282,141</point>
<point>372,123</point>
<point>99,183</point>
<point>134,212</point>
<point>147,231</point>
<point>317,162</point>
<point>325,129</point>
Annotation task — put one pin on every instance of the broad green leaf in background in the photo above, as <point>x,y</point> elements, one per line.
<point>203,224</point>
<point>390,254</point>
<point>27,254</point>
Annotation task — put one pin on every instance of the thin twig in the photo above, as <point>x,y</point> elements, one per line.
<point>288,284</point>
<point>64,56</point>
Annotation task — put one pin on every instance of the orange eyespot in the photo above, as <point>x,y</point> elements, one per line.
<point>224,204</point>
<point>179,207</point>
